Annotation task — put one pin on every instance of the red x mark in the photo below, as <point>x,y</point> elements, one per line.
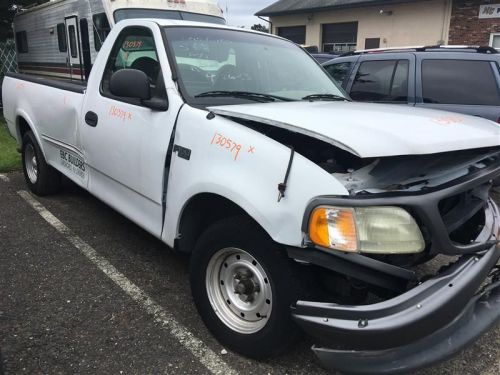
<point>251,150</point>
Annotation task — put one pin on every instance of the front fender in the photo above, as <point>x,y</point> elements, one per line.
<point>249,178</point>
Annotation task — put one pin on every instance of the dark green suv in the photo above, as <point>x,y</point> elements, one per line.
<point>456,79</point>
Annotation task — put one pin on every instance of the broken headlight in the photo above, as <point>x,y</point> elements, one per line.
<point>377,230</point>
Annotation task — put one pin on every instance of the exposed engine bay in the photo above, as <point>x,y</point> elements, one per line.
<point>407,173</point>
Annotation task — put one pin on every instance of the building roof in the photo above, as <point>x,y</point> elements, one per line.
<point>283,7</point>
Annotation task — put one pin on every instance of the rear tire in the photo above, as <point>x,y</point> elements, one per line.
<point>243,285</point>
<point>41,178</point>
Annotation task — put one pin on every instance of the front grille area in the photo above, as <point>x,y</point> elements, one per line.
<point>464,214</point>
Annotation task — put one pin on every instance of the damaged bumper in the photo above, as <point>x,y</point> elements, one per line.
<point>425,325</point>
<point>428,323</point>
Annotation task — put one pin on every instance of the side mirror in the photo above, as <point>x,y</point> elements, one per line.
<point>130,83</point>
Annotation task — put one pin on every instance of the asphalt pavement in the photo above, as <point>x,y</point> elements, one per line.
<point>84,290</point>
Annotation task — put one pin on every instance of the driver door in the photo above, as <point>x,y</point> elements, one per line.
<point>125,142</point>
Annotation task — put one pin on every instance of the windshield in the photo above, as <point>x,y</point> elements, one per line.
<point>211,62</point>
<point>131,13</point>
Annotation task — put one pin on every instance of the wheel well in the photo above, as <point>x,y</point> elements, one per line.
<point>200,212</point>
<point>23,127</point>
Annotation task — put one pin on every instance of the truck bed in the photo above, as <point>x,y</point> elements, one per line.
<point>78,87</point>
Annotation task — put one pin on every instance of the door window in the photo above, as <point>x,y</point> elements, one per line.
<point>135,49</point>
<point>459,82</point>
<point>61,38</point>
<point>381,81</point>
<point>339,72</point>
<point>72,41</point>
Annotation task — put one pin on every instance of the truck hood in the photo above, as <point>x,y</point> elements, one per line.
<point>373,130</point>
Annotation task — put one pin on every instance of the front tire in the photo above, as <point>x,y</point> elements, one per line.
<point>243,285</point>
<point>41,178</point>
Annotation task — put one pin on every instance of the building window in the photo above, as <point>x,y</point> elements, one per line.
<point>381,81</point>
<point>372,43</point>
<point>340,37</point>
<point>101,29</point>
<point>296,34</point>
<point>451,82</point>
<point>22,42</point>
<point>61,37</point>
<point>495,40</point>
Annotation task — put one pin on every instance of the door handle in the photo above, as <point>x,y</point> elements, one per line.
<point>91,119</point>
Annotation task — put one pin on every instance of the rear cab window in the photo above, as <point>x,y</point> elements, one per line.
<point>451,82</point>
<point>381,81</point>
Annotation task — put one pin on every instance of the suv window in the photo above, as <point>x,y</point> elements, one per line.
<point>381,81</point>
<point>339,72</point>
<point>135,49</point>
<point>451,82</point>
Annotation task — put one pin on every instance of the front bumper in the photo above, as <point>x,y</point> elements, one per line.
<point>425,325</point>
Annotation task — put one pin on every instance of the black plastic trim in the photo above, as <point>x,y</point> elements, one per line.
<point>366,269</point>
<point>480,314</point>
<point>404,319</point>
<point>78,88</point>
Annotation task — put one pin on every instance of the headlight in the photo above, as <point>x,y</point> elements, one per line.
<point>378,230</point>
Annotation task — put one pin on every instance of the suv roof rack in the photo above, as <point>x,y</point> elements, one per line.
<point>435,48</point>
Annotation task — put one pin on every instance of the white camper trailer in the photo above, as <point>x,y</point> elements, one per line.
<point>61,38</point>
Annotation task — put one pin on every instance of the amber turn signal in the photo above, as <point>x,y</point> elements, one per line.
<point>334,227</point>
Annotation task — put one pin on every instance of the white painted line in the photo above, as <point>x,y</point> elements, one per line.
<point>203,353</point>
<point>4,178</point>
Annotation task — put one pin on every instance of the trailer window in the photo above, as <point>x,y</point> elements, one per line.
<point>61,37</point>
<point>22,42</point>
<point>101,29</point>
<point>72,41</point>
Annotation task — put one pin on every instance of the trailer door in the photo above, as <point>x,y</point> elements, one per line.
<point>74,50</point>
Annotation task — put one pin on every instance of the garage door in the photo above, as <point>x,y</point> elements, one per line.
<point>340,37</point>
<point>296,34</point>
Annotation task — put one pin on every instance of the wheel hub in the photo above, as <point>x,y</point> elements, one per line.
<point>239,290</point>
<point>31,163</point>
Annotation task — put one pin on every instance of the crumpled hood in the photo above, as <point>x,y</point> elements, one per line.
<point>373,130</point>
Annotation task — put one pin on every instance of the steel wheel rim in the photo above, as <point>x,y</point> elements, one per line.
<point>239,290</point>
<point>31,163</point>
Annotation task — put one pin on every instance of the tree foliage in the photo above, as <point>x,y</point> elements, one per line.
<point>7,15</point>
<point>259,27</point>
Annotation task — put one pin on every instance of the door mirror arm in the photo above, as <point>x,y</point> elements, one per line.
<point>156,104</point>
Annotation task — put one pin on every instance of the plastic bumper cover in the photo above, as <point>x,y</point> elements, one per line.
<point>425,325</point>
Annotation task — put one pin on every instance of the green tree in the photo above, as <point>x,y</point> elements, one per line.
<point>259,27</point>
<point>7,12</point>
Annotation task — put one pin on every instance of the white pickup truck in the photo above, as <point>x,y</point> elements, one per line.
<point>302,211</point>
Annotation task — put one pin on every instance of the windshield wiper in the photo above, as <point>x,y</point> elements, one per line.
<point>331,97</point>
<point>259,97</point>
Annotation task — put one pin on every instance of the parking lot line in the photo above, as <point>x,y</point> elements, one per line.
<point>212,361</point>
<point>4,178</point>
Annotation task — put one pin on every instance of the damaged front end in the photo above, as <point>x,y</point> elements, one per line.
<point>377,311</point>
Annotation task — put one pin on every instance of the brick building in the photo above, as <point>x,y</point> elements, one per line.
<point>344,25</point>
<point>467,28</point>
